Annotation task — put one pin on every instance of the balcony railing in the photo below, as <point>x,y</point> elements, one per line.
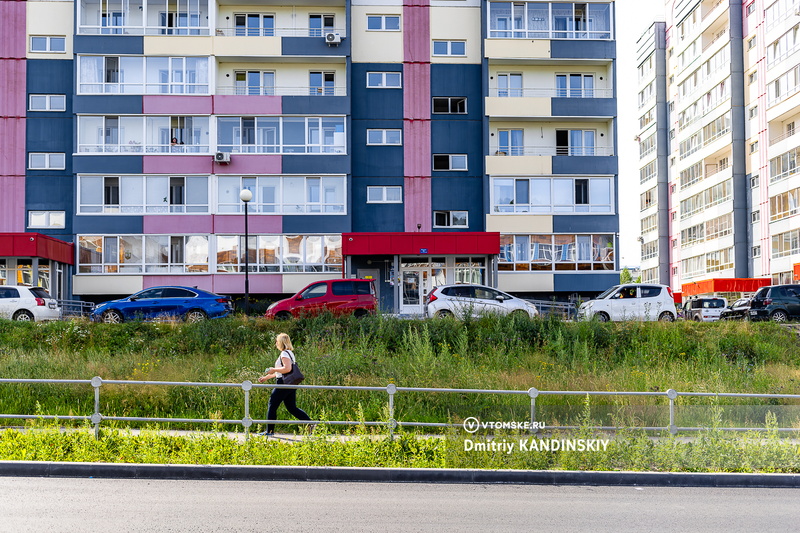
<point>783,137</point>
<point>278,32</point>
<point>539,92</point>
<point>137,147</point>
<point>551,150</point>
<point>281,91</point>
<point>87,29</point>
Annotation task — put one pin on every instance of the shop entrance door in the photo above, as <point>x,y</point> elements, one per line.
<point>414,287</point>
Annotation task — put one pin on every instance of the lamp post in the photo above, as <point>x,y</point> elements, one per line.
<point>246,195</point>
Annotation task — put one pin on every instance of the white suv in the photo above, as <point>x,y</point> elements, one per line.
<point>461,300</point>
<point>18,302</point>
<point>632,301</point>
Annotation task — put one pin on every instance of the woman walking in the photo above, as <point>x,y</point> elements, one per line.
<point>283,365</point>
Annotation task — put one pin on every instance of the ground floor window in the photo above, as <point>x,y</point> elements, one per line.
<point>524,253</point>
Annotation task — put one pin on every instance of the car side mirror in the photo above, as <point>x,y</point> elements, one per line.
<point>500,299</point>
<point>299,298</point>
<point>133,298</point>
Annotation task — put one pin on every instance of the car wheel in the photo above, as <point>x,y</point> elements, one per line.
<point>113,316</point>
<point>283,315</point>
<point>23,316</point>
<point>195,315</point>
<point>360,313</point>
<point>666,316</point>
<point>602,317</point>
<point>697,319</point>
<point>780,316</point>
<point>443,313</point>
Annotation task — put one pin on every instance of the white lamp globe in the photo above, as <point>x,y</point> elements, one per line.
<point>246,195</point>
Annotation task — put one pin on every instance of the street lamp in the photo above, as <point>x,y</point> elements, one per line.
<point>246,195</point>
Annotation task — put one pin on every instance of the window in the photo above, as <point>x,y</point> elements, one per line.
<point>48,44</point>
<point>546,20</point>
<point>389,194</point>
<point>509,85</point>
<point>751,43</point>
<point>383,80</point>
<point>254,25</point>
<point>750,9</point>
<point>385,137</point>
<point>453,105</point>
<point>450,219</point>
<point>449,162</point>
<point>47,102</point>
<point>383,22</point>
<point>755,251</point>
<point>525,253</point>
<point>142,194</point>
<point>754,147</point>
<point>784,204</point>
<point>752,77</point>
<point>280,253</point>
<point>128,254</point>
<point>319,25</point>
<point>46,219</point>
<point>254,82</point>
<point>46,161</point>
<point>575,142</point>
<point>286,195</point>
<point>322,83</point>
<point>753,111</point>
<point>575,85</point>
<point>284,135</point>
<point>755,216</point>
<point>143,75</point>
<point>754,181</point>
<point>449,48</point>
<point>552,195</point>
<point>151,134</point>
<point>510,142</point>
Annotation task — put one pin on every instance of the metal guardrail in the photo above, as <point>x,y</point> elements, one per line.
<point>75,308</point>
<point>567,310</point>
<point>391,390</point>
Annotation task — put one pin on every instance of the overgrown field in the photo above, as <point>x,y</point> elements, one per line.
<point>490,352</point>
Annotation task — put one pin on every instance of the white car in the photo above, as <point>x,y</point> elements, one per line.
<point>18,302</point>
<point>632,301</point>
<point>461,300</point>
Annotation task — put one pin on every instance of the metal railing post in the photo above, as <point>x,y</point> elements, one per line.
<point>247,385</point>
<point>672,394</point>
<point>97,382</point>
<point>533,392</point>
<point>391,389</point>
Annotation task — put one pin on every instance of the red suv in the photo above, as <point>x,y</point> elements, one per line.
<point>339,296</point>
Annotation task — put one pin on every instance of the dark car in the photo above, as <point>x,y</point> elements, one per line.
<point>776,302</point>
<point>738,310</point>
<point>337,296</point>
<point>186,303</point>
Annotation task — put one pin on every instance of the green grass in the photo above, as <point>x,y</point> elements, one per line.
<point>490,352</point>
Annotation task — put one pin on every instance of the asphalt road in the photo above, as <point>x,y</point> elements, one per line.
<point>74,505</point>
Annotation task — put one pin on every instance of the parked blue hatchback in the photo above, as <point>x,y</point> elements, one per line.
<point>186,303</point>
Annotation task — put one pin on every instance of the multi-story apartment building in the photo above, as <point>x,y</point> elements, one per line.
<point>730,82</point>
<point>414,143</point>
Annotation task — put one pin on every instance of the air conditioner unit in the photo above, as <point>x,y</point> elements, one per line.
<point>333,38</point>
<point>222,157</point>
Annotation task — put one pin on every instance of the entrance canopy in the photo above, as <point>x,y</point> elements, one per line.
<point>36,245</point>
<point>421,243</point>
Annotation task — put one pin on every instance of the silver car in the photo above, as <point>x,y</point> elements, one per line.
<point>19,302</point>
<point>463,300</point>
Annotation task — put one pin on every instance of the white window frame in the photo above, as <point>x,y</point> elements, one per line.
<point>449,46</point>
<point>384,135</point>
<point>49,39</point>
<point>49,222</point>
<point>49,98</point>
<point>450,216</point>
<point>451,159</point>
<point>383,19</point>
<point>51,161</point>
<point>384,190</point>
<point>383,84</point>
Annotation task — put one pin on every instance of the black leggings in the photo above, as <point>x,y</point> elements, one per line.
<point>287,397</point>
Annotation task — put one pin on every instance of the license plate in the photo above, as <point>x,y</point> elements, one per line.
<point>753,312</point>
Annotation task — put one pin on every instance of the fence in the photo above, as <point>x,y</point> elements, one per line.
<point>391,390</point>
<point>75,308</point>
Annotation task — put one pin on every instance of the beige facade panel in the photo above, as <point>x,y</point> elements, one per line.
<point>457,24</point>
<point>525,165</point>
<point>295,282</point>
<point>50,19</point>
<point>525,282</point>
<point>376,46</point>
<point>106,284</point>
<point>518,107</point>
<point>517,49</point>
<point>167,45</point>
<point>520,223</point>
<point>290,78</point>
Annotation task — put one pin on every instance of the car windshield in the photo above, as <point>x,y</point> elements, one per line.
<point>607,292</point>
<point>714,304</point>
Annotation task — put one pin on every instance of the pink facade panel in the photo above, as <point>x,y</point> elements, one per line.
<point>417,148</point>
<point>12,38</point>
<point>12,154</point>
<point>417,91</point>
<point>416,37</point>
<point>250,164</point>
<point>265,224</point>
<point>178,164</point>
<point>177,105</point>
<point>259,283</point>
<point>247,105</point>
<point>152,224</point>
<point>12,87</point>
<point>417,204</point>
<point>12,204</point>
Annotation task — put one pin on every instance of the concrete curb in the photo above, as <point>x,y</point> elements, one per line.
<point>392,475</point>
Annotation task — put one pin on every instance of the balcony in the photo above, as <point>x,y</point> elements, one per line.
<point>271,90</point>
<point>141,17</point>
<point>573,151</point>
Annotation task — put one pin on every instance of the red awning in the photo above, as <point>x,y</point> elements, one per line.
<point>710,286</point>
<point>36,245</point>
<point>421,243</point>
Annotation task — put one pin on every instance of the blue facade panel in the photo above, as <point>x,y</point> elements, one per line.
<point>109,225</point>
<point>459,194</point>
<point>375,160</point>
<point>591,165</point>
<point>315,105</point>
<point>374,103</point>
<point>316,224</point>
<point>458,137</point>
<point>582,49</point>
<point>594,282</point>
<point>50,76</point>
<point>51,134</point>
<point>309,165</point>
<point>458,80</point>
<point>585,224</point>
<point>314,46</point>
<point>583,107</point>
<point>108,104</point>
<point>51,193</point>
<point>108,44</point>
<point>375,217</point>
<point>107,164</point>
